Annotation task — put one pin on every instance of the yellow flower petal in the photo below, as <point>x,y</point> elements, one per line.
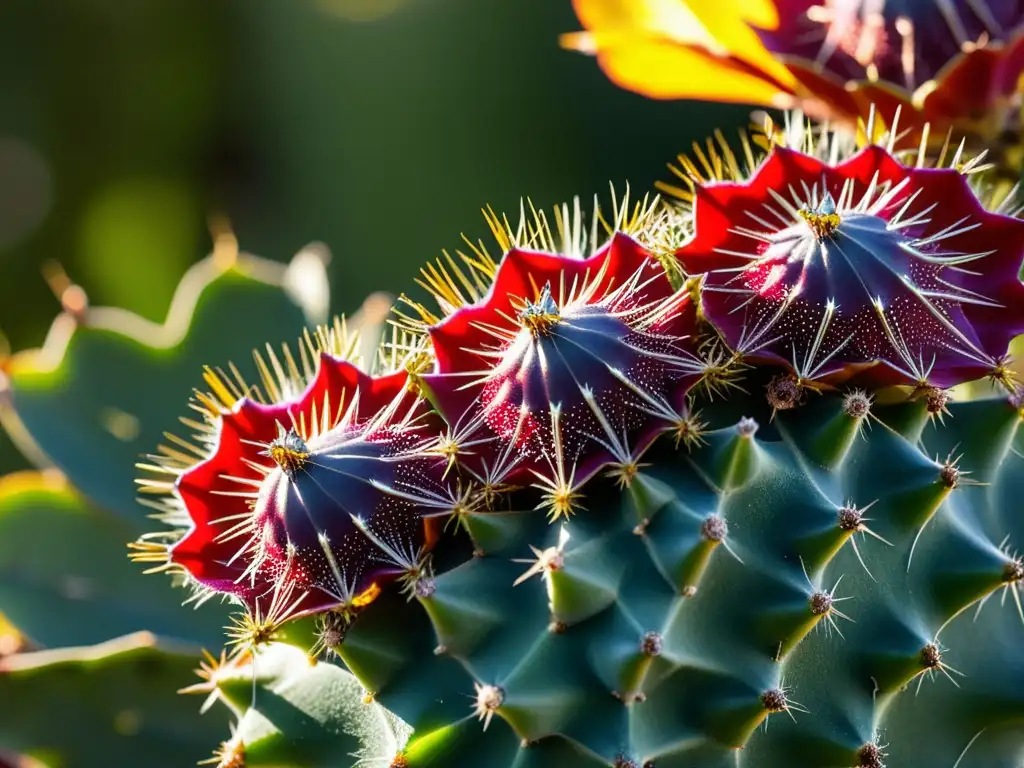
<point>760,13</point>
<point>670,19</point>
<point>721,27</point>
<point>664,69</point>
<point>731,23</point>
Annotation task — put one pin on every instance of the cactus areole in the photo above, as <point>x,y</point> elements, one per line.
<point>630,499</point>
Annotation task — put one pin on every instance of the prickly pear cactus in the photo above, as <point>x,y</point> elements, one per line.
<point>697,487</point>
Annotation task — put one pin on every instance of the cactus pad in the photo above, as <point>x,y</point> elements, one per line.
<point>107,384</point>
<point>116,700</point>
<point>751,581</point>
<point>295,713</point>
<point>63,578</point>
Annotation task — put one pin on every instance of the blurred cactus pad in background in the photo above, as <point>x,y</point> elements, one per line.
<point>722,470</point>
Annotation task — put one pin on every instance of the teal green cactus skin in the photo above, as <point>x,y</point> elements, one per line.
<point>99,395</point>
<point>64,579</point>
<point>783,601</point>
<point>109,704</point>
<point>293,711</point>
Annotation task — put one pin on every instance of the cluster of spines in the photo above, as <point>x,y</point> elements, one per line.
<point>406,430</point>
<point>752,292</point>
<point>277,382</point>
<point>495,463</point>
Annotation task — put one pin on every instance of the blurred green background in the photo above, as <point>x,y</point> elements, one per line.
<point>378,127</point>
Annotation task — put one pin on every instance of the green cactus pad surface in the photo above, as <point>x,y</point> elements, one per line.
<point>809,590</point>
<point>107,384</point>
<point>64,577</point>
<point>103,705</point>
<point>297,712</point>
